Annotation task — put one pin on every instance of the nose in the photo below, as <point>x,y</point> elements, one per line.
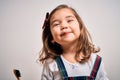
<point>64,25</point>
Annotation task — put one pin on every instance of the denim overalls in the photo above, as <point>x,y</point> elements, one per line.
<point>64,74</point>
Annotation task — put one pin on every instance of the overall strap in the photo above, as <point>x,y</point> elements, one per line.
<point>80,78</point>
<point>61,67</point>
<point>96,66</point>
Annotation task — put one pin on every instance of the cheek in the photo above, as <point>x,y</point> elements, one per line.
<point>77,28</point>
<point>55,33</point>
<point>77,32</point>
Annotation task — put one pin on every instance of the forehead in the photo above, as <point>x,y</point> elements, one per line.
<point>61,13</point>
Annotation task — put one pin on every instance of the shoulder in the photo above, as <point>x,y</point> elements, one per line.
<point>51,64</point>
<point>101,74</point>
<point>50,70</point>
<point>94,56</point>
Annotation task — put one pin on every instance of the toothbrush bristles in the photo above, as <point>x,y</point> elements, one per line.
<point>17,73</point>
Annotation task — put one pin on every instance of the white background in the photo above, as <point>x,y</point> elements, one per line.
<point>20,33</point>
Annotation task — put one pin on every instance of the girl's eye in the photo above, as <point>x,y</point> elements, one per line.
<point>55,24</point>
<point>69,21</point>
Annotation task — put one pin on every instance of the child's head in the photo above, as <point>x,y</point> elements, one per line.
<point>52,47</point>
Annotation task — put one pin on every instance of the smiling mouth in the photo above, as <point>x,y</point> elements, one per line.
<point>64,33</point>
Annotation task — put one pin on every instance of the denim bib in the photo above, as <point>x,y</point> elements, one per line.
<point>64,74</point>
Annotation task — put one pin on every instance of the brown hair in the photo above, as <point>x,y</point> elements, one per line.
<point>52,50</point>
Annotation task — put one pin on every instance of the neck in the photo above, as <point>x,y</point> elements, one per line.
<point>69,52</point>
<point>69,48</point>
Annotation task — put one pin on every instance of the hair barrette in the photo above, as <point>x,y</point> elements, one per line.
<point>46,20</point>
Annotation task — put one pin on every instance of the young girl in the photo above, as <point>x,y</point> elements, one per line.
<point>68,52</point>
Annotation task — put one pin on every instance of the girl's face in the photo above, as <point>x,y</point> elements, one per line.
<point>64,27</point>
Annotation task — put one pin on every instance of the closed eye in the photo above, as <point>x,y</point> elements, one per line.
<point>55,24</point>
<point>69,21</point>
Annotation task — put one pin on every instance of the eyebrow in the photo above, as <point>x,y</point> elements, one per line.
<point>70,16</point>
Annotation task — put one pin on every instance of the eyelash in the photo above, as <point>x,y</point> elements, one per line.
<point>56,24</point>
<point>69,21</point>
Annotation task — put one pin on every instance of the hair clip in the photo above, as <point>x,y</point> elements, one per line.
<point>46,20</point>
